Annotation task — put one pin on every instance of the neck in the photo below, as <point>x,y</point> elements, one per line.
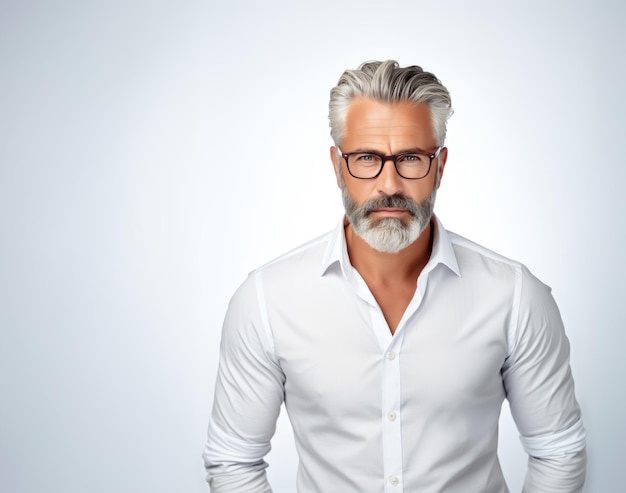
<point>407,264</point>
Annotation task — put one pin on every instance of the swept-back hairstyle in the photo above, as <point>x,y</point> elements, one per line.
<point>389,83</point>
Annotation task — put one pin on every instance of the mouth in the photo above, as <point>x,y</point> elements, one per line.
<point>390,211</point>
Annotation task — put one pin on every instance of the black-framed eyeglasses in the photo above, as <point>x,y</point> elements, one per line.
<point>410,165</point>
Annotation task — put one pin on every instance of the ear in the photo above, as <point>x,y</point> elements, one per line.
<point>443,157</point>
<point>335,159</point>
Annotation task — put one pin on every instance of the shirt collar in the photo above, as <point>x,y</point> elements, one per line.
<point>336,255</point>
<point>443,252</point>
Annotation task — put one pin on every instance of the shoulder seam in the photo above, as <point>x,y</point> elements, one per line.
<point>513,329</point>
<point>263,312</point>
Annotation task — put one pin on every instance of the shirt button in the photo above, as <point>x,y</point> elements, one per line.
<point>391,416</point>
<point>391,355</point>
<point>394,480</point>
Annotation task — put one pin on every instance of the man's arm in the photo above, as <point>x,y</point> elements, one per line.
<point>248,394</point>
<point>540,389</point>
<point>565,472</point>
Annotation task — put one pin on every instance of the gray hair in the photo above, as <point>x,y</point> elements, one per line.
<point>389,83</point>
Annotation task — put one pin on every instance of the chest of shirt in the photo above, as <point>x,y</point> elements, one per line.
<point>331,347</point>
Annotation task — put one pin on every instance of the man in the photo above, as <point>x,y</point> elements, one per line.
<point>391,341</point>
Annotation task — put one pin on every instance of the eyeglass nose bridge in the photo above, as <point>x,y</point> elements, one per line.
<point>393,159</point>
<point>383,160</point>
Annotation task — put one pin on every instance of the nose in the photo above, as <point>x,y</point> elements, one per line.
<point>389,182</point>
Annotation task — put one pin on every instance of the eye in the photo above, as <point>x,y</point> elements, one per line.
<point>365,159</point>
<point>413,159</point>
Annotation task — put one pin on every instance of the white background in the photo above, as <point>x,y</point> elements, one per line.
<point>152,153</point>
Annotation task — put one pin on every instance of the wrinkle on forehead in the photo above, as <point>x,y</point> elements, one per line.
<point>385,126</point>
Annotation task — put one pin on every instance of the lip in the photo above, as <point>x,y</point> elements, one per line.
<point>390,212</point>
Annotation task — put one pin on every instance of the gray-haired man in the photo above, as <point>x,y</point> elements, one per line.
<point>391,341</point>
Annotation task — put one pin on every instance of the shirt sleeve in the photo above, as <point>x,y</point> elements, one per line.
<point>249,391</point>
<point>540,389</point>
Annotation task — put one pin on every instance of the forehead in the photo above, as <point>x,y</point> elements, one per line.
<point>379,124</point>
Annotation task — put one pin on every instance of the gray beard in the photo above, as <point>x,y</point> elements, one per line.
<point>390,234</point>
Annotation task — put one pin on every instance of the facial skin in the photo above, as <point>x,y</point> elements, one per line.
<point>388,212</point>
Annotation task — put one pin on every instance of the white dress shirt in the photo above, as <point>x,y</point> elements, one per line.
<point>412,412</point>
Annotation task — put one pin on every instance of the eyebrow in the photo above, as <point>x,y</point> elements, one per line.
<point>406,151</point>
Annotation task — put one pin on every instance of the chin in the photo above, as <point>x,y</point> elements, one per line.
<point>390,235</point>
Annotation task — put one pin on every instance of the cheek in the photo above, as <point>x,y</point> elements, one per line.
<point>360,192</point>
<point>421,193</point>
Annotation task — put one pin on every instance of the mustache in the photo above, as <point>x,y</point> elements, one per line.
<point>395,201</point>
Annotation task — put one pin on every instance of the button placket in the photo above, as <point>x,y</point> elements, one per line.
<point>391,424</point>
